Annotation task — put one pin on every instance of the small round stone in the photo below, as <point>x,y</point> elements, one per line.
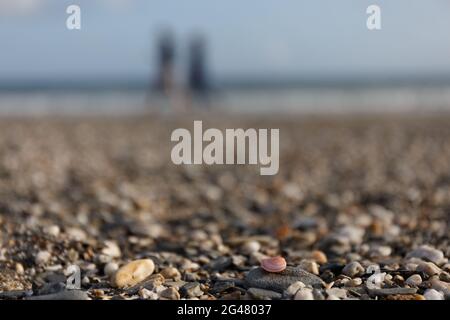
<point>353,269</point>
<point>319,257</point>
<point>428,253</point>
<point>432,294</point>
<point>250,247</point>
<point>171,273</point>
<point>19,269</point>
<point>170,294</point>
<point>133,272</point>
<point>42,257</point>
<point>275,264</point>
<point>414,280</point>
<point>310,266</point>
<point>293,288</point>
<point>110,268</point>
<point>304,294</point>
<point>52,230</point>
<point>111,249</point>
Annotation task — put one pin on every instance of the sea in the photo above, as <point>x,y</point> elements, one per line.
<point>235,97</point>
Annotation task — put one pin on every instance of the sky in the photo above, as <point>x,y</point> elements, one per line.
<point>251,38</point>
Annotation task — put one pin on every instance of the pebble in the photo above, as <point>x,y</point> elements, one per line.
<point>250,247</point>
<point>147,294</point>
<point>428,253</point>
<point>133,272</point>
<point>390,291</point>
<point>304,294</point>
<point>263,294</point>
<point>111,249</point>
<point>169,294</point>
<point>110,268</point>
<point>42,257</point>
<point>171,273</point>
<point>319,257</point>
<point>191,290</point>
<point>293,288</point>
<point>275,264</point>
<point>355,282</point>
<point>279,282</point>
<point>62,295</point>
<point>432,294</point>
<point>19,269</point>
<point>429,268</point>
<point>310,266</point>
<point>76,234</point>
<point>337,292</point>
<point>415,280</point>
<point>353,269</point>
<point>52,230</point>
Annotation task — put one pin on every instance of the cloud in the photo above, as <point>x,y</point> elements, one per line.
<point>20,7</point>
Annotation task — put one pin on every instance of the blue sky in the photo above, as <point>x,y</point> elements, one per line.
<point>251,38</point>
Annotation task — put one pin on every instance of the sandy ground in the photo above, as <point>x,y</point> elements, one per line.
<point>351,192</point>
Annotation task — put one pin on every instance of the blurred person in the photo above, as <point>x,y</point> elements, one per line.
<point>198,84</point>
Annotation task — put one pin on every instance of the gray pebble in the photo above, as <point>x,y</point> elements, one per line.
<point>62,295</point>
<point>263,294</point>
<point>258,278</point>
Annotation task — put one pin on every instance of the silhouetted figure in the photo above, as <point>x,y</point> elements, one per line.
<point>165,60</point>
<point>197,81</point>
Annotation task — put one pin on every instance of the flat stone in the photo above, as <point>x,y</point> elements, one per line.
<point>428,253</point>
<point>258,278</point>
<point>15,294</point>
<point>263,294</point>
<point>62,295</point>
<point>391,291</point>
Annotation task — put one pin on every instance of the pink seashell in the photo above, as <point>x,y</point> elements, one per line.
<point>275,264</point>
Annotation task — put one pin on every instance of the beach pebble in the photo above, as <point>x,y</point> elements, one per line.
<point>76,234</point>
<point>110,268</point>
<point>353,269</point>
<point>337,292</point>
<point>304,294</point>
<point>429,268</point>
<point>355,282</point>
<point>42,257</point>
<point>191,290</point>
<point>310,266</point>
<point>52,230</point>
<point>432,294</point>
<point>319,257</point>
<point>133,272</point>
<point>171,273</point>
<point>250,247</point>
<point>169,294</point>
<point>428,253</point>
<point>19,269</point>
<point>414,280</point>
<point>279,282</point>
<point>111,249</point>
<point>293,288</point>
<point>262,294</point>
<point>147,294</point>
<point>62,295</point>
<point>391,291</point>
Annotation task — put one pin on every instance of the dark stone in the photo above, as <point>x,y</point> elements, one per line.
<point>259,278</point>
